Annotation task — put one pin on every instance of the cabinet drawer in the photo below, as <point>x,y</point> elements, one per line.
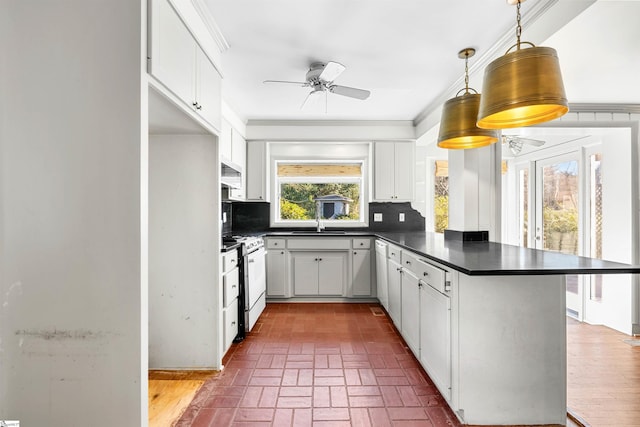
<point>276,243</point>
<point>393,252</point>
<point>431,275</point>
<point>320,243</point>
<point>230,287</point>
<point>230,319</point>
<point>410,262</point>
<point>361,243</point>
<point>229,261</point>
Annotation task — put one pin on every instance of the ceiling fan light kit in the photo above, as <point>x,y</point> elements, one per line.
<point>458,128</point>
<point>523,87</point>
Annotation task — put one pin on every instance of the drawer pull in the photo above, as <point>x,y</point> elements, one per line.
<point>425,274</point>
<point>408,262</point>
<point>361,243</point>
<point>233,286</point>
<point>233,323</point>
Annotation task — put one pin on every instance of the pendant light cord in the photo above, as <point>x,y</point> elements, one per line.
<point>518,26</point>
<point>466,73</point>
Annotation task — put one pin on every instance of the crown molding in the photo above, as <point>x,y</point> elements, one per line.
<point>330,123</point>
<point>537,10</point>
<point>604,108</point>
<point>210,23</point>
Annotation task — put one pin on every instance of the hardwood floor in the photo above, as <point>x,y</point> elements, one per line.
<point>171,392</point>
<point>603,376</point>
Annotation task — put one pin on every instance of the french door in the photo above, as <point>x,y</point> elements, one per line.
<point>559,216</point>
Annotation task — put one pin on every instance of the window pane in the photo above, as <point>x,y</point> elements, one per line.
<point>337,201</point>
<point>523,207</point>
<point>595,220</point>
<point>441,196</point>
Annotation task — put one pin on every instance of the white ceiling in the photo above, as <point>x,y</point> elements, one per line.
<point>405,52</point>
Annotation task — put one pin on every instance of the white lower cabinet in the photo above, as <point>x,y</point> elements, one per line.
<point>395,292</point>
<point>276,269</point>
<point>410,314</point>
<point>382,279</point>
<point>319,273</point>
<point>361,277</point>
<point>230,288</point>
<point>435,337</point>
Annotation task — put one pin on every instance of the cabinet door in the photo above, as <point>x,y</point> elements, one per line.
<point>435,338</point>
<point>332,268</point>
<point>276,273</point>
<point>239,157</point>
<point>404,164</point>
<point>383,183</point>
<point>173,51</point>
<point>381,274</point>
<point>361,280</point>
<point>410,297</point>
<point>208,90</point>
<point>395,293</point>
<point>305,273</point>
<point>257,178</point>
<point>225,139</point>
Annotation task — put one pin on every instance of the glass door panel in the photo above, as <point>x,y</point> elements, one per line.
<point>558,216</point>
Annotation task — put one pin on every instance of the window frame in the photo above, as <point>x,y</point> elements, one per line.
<point>329,223</point>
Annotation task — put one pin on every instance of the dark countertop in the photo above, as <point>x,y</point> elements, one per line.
<point>484,258</point>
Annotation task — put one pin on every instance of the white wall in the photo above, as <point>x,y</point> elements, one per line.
<point>184,287</point>
<point>72,177</point>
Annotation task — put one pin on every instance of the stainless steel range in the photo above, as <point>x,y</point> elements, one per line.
<point>252,298</point>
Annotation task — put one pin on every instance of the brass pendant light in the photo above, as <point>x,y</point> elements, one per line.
<point>523,87</point>
<point>458,128</point>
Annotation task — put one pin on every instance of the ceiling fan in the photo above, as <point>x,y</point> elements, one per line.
<point>320,79</point>
<point>515,143</point>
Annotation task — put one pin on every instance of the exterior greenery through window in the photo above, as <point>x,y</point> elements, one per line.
<point>335,189</point>
<point>441,196</point>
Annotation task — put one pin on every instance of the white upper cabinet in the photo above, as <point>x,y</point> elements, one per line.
<point>178,62</point>
<point>257,171</point>
<point>208,94</point>
<point>393,171</point>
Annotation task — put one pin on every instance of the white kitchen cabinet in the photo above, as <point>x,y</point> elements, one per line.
<point>361,274</point>
<point>257,171</point>
<point>224,140</point>
<point>382,280</point>
<point>395,292</point>
<point>178,62</point>
<point>410,313</point>
<point>276,269</point>
<point>435,337</point>
<point>393,171</point>
<point>239,157</point>
<point>230,288</point>
<point>319,273</point>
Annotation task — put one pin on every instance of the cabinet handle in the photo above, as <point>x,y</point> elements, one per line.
<point>233,261</point>
<point>233,323</point>
<point>281,252</point>
<point>355,253</point>
<point>319,259</point>
<point>408,262</point>
<point>361,243</point>
<point>399,269</point>
<point>252,261</point>
<point>425,274</point>
<point>233,286</point>
<point>316,259</point>
<point>260,197</point>
<point>393,253</point>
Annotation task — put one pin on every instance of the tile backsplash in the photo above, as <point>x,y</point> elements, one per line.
<point>254,216</point>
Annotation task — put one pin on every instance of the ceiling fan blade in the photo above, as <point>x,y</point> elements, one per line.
<point>302,84</point>
<point>534,142</point>
<point>311,99</point>
<point>522,140</point>
<point>331,71</point>
<point>351,92</point>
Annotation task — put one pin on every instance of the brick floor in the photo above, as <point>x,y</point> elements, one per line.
<point>320,365</point>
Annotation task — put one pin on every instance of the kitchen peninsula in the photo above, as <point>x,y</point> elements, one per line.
<point>486,320</point>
